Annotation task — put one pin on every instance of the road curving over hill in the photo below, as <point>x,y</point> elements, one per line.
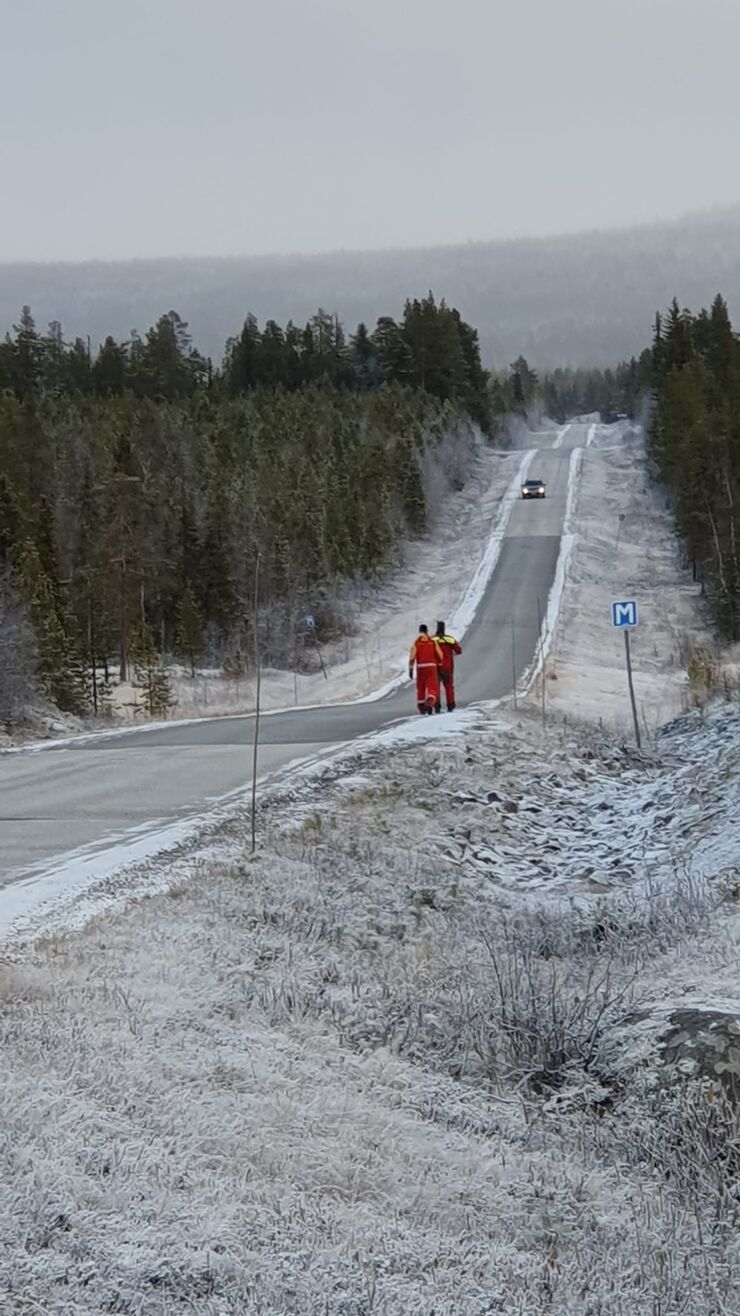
<point>105,792</point>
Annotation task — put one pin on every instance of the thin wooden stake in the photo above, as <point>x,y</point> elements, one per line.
<point>92,645</point>
<point>258,662</point>
<point>542,655</point>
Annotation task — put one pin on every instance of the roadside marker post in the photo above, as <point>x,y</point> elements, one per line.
<point>258,664</point>
<point>310,621</point>
<point>541,643</point>
<point>625,618</point>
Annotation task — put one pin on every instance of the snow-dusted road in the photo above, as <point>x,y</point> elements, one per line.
<point>115,794</point>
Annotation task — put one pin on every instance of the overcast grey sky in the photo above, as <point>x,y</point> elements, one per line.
<point>174,127</point>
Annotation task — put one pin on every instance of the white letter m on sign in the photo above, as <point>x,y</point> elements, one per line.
<point>624,614</point>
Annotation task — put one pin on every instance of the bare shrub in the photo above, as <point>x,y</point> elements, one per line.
<point>544,1016</point>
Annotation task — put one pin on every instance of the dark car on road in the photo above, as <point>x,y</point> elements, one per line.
<point>533,489</point>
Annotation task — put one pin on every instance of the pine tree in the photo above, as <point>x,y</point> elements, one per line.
<point>189,629</point>
<point>168,367</point>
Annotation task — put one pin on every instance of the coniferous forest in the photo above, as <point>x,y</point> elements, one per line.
<point>695,435</point>
<point>141,483</point>
<point>688,383</point>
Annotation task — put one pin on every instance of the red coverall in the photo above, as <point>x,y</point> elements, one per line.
<point>449,646</point>
<point>426,654</point>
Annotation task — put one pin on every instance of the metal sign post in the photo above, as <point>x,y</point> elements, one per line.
<point>310,621</point>
<point>624,618</point>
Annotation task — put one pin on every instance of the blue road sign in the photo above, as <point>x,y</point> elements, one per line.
<point>624,614</point>
<point>310,622</point>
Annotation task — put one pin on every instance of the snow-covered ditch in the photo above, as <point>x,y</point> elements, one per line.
<point>423,1053</point>
<point>622,545</point>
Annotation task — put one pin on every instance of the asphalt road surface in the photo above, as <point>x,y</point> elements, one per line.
<point>98,790</point>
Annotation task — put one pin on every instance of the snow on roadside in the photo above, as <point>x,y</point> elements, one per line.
<point>280,1084</point>
<point>639,557</point>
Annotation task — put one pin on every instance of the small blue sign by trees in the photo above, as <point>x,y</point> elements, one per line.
<point>624,614</point>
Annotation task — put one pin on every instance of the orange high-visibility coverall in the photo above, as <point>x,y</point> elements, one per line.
<point>426,655</point>
<point>449,646</point>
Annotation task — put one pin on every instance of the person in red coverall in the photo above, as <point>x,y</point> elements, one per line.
<point>449,646</point>
<point>426,656</point>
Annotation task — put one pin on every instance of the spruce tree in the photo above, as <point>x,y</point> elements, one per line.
<point>242,358</point>
<point>28,358</point>
<point>151,680</point>
<point>61,669</point>
<point>109,375</point>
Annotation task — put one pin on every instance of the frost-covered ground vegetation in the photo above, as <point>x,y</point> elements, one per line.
<point>463,1038</point>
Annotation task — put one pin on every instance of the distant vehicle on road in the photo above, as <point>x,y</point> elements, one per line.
<point>533,489</point>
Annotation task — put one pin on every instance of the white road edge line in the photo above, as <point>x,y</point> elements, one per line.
<point>554,600</point>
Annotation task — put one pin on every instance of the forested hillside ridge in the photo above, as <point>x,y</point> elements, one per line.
<point>141,484</point>
<point>695,442</point>
<point>577,300</point>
